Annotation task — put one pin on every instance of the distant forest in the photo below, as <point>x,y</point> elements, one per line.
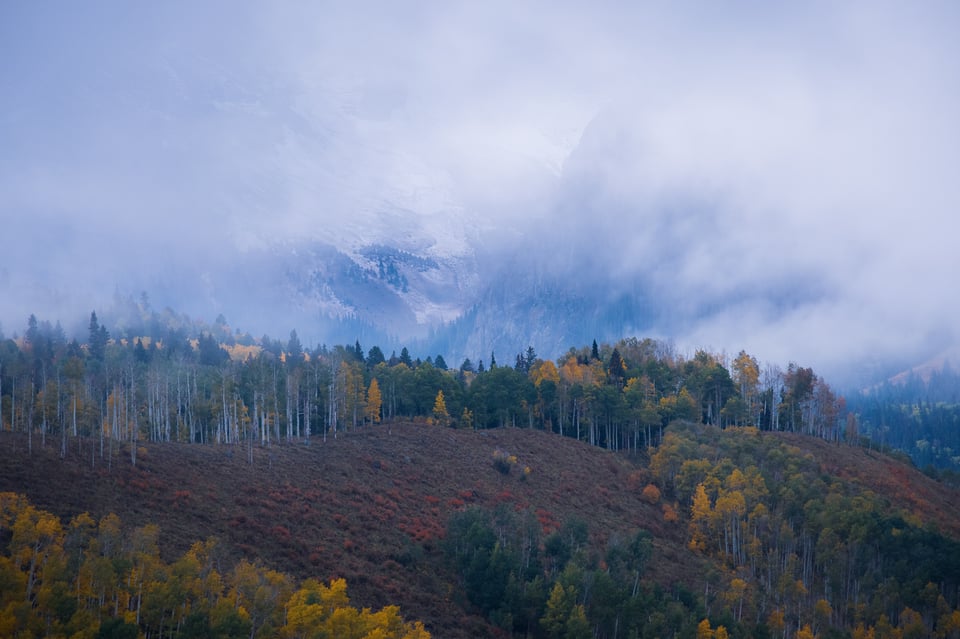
<point>161,377</point>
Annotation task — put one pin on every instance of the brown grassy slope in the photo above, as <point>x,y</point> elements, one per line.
<point>370,506</point>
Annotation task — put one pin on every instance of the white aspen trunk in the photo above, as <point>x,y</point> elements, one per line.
<point>43,406</point>
<point>276,408</point>
<point>331,409</point>
<point>135,422</point>
<point>289,412</point>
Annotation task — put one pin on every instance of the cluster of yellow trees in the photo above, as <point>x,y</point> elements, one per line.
<point>90,579</point>
<point>805,552</point>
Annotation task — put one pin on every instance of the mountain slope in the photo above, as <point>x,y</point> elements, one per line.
<point>372,506</point>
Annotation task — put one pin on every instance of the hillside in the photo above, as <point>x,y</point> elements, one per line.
<point>372,505</point>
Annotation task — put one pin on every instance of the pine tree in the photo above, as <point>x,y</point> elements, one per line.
<point>98,338</point>
<point>294,348</point>
<point>375,356</point>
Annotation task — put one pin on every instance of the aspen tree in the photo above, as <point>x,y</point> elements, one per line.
<point>374,402</point>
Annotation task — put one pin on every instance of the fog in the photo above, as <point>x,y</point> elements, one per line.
<point>780,178</point>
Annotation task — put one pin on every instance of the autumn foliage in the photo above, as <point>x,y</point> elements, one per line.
<point>89,577</point>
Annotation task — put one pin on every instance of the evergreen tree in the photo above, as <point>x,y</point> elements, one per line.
<point>520,365</point>
<point>140,353</point>
<point>617,368</point>
<point>531,357</point>
<point>211,353</point>
<point>294,348</point>
<point>375,356</point>
<point>98,338</point>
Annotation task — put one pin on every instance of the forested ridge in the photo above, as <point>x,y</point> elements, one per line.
<point>703,525</point>
<point>167,381</point>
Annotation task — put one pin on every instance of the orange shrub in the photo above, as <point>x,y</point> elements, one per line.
<point>651,494</point>
<point>669,513</point>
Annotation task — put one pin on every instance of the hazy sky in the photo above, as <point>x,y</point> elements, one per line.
<point>729,153</point>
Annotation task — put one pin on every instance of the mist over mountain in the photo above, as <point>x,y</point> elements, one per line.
<point>477,179</point>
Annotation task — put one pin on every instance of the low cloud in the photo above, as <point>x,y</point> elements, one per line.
<point>781,178</point>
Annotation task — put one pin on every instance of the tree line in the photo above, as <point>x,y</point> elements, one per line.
<point>215,388</point>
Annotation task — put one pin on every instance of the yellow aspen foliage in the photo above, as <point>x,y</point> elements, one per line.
<point>822,612</point>
<point>559,606</point>
<point>686,407</point>
<point>440,413</point>
<point>112,582</point>
<point>318,611</point>
<point>776,622</point>
<point>911,624</point>
<point>704,631</point>
<point>805,633</point>
<point>700,515</point>
<point>572,372</point>
<point>721,633</point>
<point>415,630</point>
<point>578,627</point>
<point>261,592</point>
<point>885,630</point>
<point>374,402</point>
<point>735,596</point>
<point>948,625</point>
<point>542,371</point>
